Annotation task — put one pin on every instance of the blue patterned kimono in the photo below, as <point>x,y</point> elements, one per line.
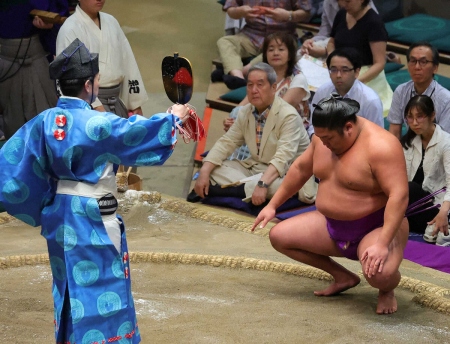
<point>91,279</point>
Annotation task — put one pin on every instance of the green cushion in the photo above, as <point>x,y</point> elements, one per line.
<point>235,96</point>
<point>316,20</point>
<point>404,127</point>
<point>418,27</point>
<point>442,44</point>
<point>443,80</point>
<point>392,67</point>
<point>386,124</point>
<point>398,77</point>
<point>222,2</point>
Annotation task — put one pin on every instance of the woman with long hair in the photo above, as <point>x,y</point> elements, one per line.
<point>427,152</point>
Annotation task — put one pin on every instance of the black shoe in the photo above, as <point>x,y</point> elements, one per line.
<point>234,82</point>
<point>193,197</point>
<point>247,60</point>
<point>217,75</point>
<point>306,35</point>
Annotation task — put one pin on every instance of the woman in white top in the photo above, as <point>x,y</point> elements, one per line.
<point>427,152</point>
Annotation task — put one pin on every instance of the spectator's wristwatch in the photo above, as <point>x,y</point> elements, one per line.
<point>290,16</point>
<point>261,184</point>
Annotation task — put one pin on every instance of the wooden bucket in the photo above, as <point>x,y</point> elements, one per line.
<point>127,180</point>
<point>134,182</point>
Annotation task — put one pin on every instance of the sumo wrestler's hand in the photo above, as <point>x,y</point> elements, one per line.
<point>374,258</point>
<point>264,216</point>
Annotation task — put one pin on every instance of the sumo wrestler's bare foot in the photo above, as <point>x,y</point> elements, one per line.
<point>340,285</point>
<point>387,303</point>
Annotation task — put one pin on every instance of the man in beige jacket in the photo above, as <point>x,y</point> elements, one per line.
<point>275,136</point>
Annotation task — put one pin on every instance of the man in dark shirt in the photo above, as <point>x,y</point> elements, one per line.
<point>27,44</point>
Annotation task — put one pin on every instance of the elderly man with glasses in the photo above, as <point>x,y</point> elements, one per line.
<point>344,65</point>
<point>423,63</point>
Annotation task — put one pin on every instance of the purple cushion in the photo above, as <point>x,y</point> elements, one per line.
<point>431,256</point>
<point>287,214</point>
<point>237,203</point>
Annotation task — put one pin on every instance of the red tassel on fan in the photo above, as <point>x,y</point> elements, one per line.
<point>192,129</point>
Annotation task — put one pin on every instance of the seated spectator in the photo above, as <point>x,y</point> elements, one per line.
<point>344,66</point>
<point>232,26</point>
<point>279,51</point>
<point>358,26</point>
<point>280,15</point>
<point>275,136</point>
<point>423,63</point>
<point>317,46</point>
<point>427,152</point>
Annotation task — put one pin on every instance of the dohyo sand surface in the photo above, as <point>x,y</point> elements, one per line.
<point>200,276</point>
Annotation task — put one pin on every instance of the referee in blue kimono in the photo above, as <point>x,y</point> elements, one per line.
<point>57,172</point>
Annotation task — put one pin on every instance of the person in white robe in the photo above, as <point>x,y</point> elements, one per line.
<point>121,86</point>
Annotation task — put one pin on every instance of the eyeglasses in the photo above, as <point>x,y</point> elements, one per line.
<point>422,62</point>
<point>418,118</point>
<point>334,70</point>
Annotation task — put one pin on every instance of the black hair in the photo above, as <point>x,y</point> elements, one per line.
<point>422,103</point>
<point>291,45</point>
<point>351,54</point>
<point>74,87</point>
<point>365,3</point>
<point>434,51</point>
<point>334,112</point>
